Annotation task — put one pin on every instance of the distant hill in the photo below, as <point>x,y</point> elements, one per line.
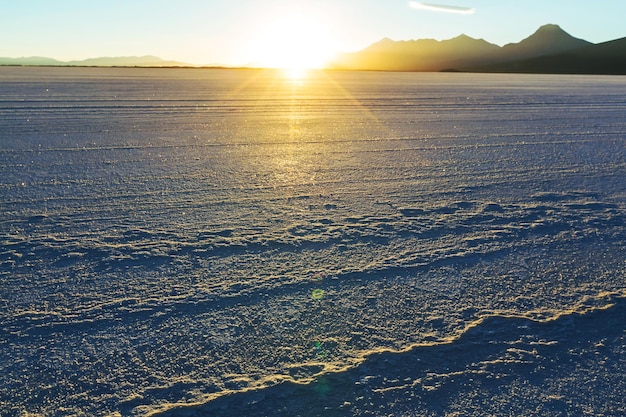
<point>549,50</point>
<point>31,60</point>
<point>127,61</point>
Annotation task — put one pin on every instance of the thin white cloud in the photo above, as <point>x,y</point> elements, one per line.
<point>442,8</point>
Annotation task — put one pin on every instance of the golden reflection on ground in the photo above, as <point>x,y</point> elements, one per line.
<point>298,119</point>
<point>301,85</point>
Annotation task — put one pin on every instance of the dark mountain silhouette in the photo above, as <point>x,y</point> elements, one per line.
<point>128,61</point>
<point>418,55</point>
<point>547,40</point>
<point>604,58</point>
<point>550,49</point>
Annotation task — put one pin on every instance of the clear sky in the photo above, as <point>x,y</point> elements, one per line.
<point>279,32</point>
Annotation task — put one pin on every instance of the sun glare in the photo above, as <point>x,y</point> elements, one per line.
<point>293,42</point>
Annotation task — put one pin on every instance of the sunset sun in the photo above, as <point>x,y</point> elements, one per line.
<point>294,42</point>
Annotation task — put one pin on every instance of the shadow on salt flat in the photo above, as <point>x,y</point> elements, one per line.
<point>501,364</point>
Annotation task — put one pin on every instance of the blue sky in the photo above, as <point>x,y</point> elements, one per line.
<point>234,32</point>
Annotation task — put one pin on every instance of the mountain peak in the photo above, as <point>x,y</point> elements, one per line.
<point>464,37</point>
<point>550,32</point>
<point>550,28</point>
<point>548,39</point>
<point>384,42</point>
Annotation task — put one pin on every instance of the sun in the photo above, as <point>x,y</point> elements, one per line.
<point>294,42</point>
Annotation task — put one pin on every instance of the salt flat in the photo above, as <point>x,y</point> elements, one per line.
<point>235,242</point>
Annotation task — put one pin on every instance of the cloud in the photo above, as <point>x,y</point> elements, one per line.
<point>442,8</point>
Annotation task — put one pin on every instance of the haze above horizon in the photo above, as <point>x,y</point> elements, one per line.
<point>279,33</point>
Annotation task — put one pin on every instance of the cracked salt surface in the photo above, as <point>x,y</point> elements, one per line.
<point>207,242</point>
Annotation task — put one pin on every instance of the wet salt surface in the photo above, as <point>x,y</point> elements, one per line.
<point>208,241</point>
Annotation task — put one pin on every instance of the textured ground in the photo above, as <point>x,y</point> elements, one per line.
<point>235,239</point>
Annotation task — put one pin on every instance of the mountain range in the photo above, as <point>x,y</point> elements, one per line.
<point>124,61</point>
<point>549,50</point>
